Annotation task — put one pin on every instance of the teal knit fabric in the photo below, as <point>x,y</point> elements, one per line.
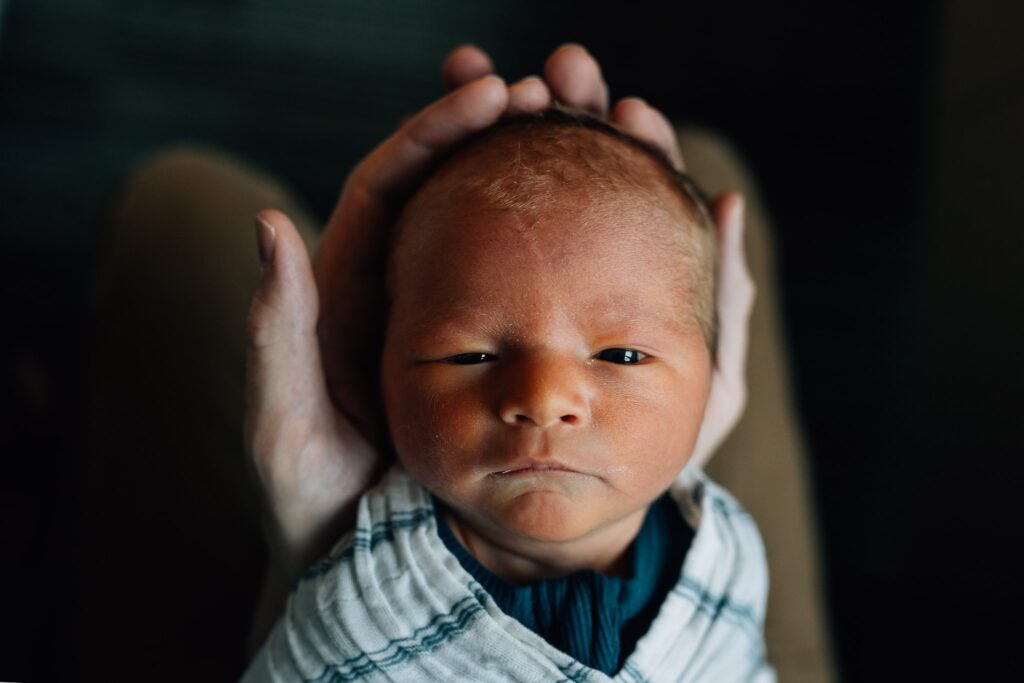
<point>596,619</point>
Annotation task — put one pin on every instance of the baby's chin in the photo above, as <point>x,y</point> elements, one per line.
<point>544,516</point>
<point>549,516</point>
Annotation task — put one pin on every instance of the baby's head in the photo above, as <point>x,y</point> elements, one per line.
<point>551,333</point>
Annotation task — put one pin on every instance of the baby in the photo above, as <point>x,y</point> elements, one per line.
<point>545,371</point>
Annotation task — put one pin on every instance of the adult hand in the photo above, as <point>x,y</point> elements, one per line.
<point>735,300</point>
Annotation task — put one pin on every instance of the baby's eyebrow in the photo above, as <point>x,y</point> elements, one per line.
<point>461,316</point>
<point>633,314</point>
<point>460,320</point>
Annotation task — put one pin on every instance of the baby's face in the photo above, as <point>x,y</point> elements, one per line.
<point>541,374</point>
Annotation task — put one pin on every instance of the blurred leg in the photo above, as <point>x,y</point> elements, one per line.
<point>764,462</point>
<point>171,552</point>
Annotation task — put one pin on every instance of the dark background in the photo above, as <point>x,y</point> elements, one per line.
<point>887,138</point>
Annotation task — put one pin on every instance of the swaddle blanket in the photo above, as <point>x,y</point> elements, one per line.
<point>391,603</point>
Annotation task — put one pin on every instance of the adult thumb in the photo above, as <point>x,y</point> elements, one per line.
<point>284,373</point>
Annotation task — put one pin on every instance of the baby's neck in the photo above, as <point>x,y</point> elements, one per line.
<point>524,561</point>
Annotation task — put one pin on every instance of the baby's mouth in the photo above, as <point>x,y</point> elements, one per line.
<point>535,467</point>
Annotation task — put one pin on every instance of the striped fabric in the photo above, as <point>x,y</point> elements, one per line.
<point>391,603</point>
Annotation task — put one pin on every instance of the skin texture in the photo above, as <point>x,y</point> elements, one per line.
<point>547,453</point>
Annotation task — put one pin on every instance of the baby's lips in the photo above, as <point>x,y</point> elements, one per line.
<point>535,465</point>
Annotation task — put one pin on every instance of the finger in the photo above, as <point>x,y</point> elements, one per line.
<point>643,121</point>
<point>407,155</point>
<point>574,77</point>
<point>735,297</point>
<point>528,96</point>
<point>735,287</point>
<point>465,64</point>
<point>285,304</point>
<point>378,184</point>
<point>284,374</point>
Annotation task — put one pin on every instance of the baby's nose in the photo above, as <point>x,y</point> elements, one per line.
<point>545,392</point>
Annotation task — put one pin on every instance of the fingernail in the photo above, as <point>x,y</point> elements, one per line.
<point>265,237</point>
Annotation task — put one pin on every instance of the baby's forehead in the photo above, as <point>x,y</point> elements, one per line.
<point>549,234</point>
<point>474,258</point>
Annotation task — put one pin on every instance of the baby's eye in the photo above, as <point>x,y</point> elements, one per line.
<point>621,356</point>
<point>469,358</point>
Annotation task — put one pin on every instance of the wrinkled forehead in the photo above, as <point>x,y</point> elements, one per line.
<point>554,262</point>
<point>560,229</point>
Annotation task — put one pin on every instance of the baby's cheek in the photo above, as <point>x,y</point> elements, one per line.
<point>652,436</point>
<point>417,437</point>
<point>428,434</point>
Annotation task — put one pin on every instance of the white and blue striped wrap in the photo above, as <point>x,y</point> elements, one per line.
<point>391,603</point>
